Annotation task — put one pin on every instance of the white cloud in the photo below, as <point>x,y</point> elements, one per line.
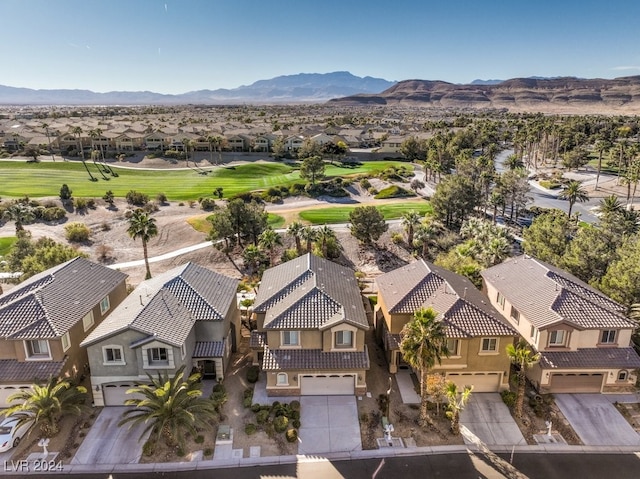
<point>626,67</point>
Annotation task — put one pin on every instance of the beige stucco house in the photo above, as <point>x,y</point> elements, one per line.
<point>45,318</point>
<point>477,334</point>
<point>584,337</point>
<point>311,324</point>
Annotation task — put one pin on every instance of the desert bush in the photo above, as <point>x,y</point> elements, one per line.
<point>397,238</point>
<point>199,439</point>
<point>208,452</point>
<point>262,416</point>
<point>256,407</point>
<point>77,232</point>
<point>80,204</point>
<point>137,198</point>
<point>280,423</point>
<point>365,183</point>
<point>161,198</point>
<point>252,374</point>
<point>292,435</point>
<point>296,423</point>
<point>151,208</point>
<point>54,213</point>
<point>207,204</point>
<point>148,448</point>
<point>250,429</point>
<point>180,452</point>
<point>104,252</point>
<point>509,398</point>
<point>295,405</point>
<point>246,402</point>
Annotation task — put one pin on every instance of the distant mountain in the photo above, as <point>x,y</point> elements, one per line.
<point>486,82</point>
<point>300,88</point>
<point>553,95</point>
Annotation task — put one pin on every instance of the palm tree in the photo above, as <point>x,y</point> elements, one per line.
<point>574,192</point>
<point>20,213</point>
<point>309,234</point>
<point>46,129</point>
<point>142,226</point>
<point>268,240</point>
<point>601,147</point>
<point>295,230</point>
<point>213,141</point>
<point>610,206</point>
<point>76,130</point>
<point>423,344</point>
<point>423,235</point>
<point>457,400</point>
<point>185,143</point>
<point>523,357</point>
<point>169,407</point>
<point>513,163</point>
<point>410,219</point>
<point>46,404</point>
<point>325,235</point>
<point>253,257</point>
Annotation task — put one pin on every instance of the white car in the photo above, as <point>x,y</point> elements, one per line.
<point>11,433</point>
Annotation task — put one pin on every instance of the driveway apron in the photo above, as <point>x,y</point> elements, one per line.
<point>106,443</point>
<point>329,424</point>
<point>596,421</point>
<point>486,416</point>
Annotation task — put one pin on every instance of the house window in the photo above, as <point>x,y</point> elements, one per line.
<point>38,349</point>
<point>515,315</point>
<point>158,356</point>
<point>87,320</point>
<point>282,379</point>
<point>623,375</point>
<point>183,351</point>
<point>608,337</point>
<point>533,332</point>
<point>66,342</point>
<point>557,338</point>
<point>489,345</point>
<point>290,338</point>
<point>500,300</point>
<point>113,355</point>
<point>344,339</point>
<point>452,346</point>
<point>104,305</point>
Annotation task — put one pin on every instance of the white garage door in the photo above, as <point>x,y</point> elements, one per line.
<point>333,385</point>
<point>115,394</point>
<point>481,382</point>
<point>7,390</point>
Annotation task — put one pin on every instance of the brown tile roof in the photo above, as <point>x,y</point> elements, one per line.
<point>314,359</point>
<point>591,358</point>
<point>464,311</point>
<point>168,305</point>
<point>546,295</point>
<point>30,371</point>
<point>209,349</point>
<point>309,292</point>
<point>48,304</point>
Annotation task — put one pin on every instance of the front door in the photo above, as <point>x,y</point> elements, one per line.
<point>208,369</point>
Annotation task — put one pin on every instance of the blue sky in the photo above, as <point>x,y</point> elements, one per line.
<point>175,46</point>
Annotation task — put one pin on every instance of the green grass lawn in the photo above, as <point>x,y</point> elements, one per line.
<point>6,244</point>
<point>45,179</point>
<point>340,214</point>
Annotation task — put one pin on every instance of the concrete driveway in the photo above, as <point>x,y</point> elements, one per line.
<point>328,424</point>
<point>596,420</point>
<point>486,416</point>
<point>106,443</point>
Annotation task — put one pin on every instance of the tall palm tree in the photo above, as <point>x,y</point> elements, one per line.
<point>169,407</point>
<point>214,140</point>
<point>76,130</point>
<point>457,399</point>
<point>46,404</point>
<point>574,192</point>
<point>142,226</point>
<point>19,213</point>
<point>268,240</point>
<point>410,219</point>
<point>423,235</point>
<point>423,345</point>
<point>325,235</point>
<point>601,147</point>
<point>309,234</point>
<point>185,143</point>
<point>46,129</point>
<point>609,206</point>
<point>295,230</point>
<point>512,162</point>
<point>523,357</point>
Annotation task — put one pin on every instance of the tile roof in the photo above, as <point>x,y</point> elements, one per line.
<point>209,349</point>
<point>309,292</point>
<point>12,370</point>
<point>48,304</point>
<point>257,340</point>
<point>464,311</point>
<point>591,358</point>
<point>547,295</point>
<point>168,305</point>
<point>314,359</point>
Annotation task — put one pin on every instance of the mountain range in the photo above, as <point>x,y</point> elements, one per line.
<point>300,88</point>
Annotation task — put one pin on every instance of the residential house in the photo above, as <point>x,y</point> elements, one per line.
<point>584,337</point>
<point>293,143</point>
<point>263,143</point>
<point>311,324</point>
<point>477,336</point>
<point>238,142</point>
<point>185,317</point>
<point>44,319</point>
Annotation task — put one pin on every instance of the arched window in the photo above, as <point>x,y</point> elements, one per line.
<point>282,379</point>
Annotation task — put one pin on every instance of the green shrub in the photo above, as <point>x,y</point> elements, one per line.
<point>161,198</point>
<point>208,452</point>
<point>80,204</point>
<point>247,393</point>
<point>293,414</point>
<point>65,192</point>
<point>207,204</point>
<point>137,198</point>
<point>54,213</point>
<point>219,387</point>
<point>262,416</point>
<point>365,183</point>
<point>397,238</point>
<point>199,439</point>
<point>180,452</point>
<point>509,398</point>
<point>296,423</point>
<point>280,423</point>
<point>292,435</point>
<point>252,374</point>
<point>256,407</point>
<point>295,405</point>
<point>148,448</point>
<point>246,402</point>
<point>77,232</point>
<point>250,429</point>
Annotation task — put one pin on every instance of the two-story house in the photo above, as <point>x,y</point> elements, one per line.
<point>583,336</point>
<point>44,319</point>
<point>311,325</point>
<point>477,335</point>
<point>184,317</point>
